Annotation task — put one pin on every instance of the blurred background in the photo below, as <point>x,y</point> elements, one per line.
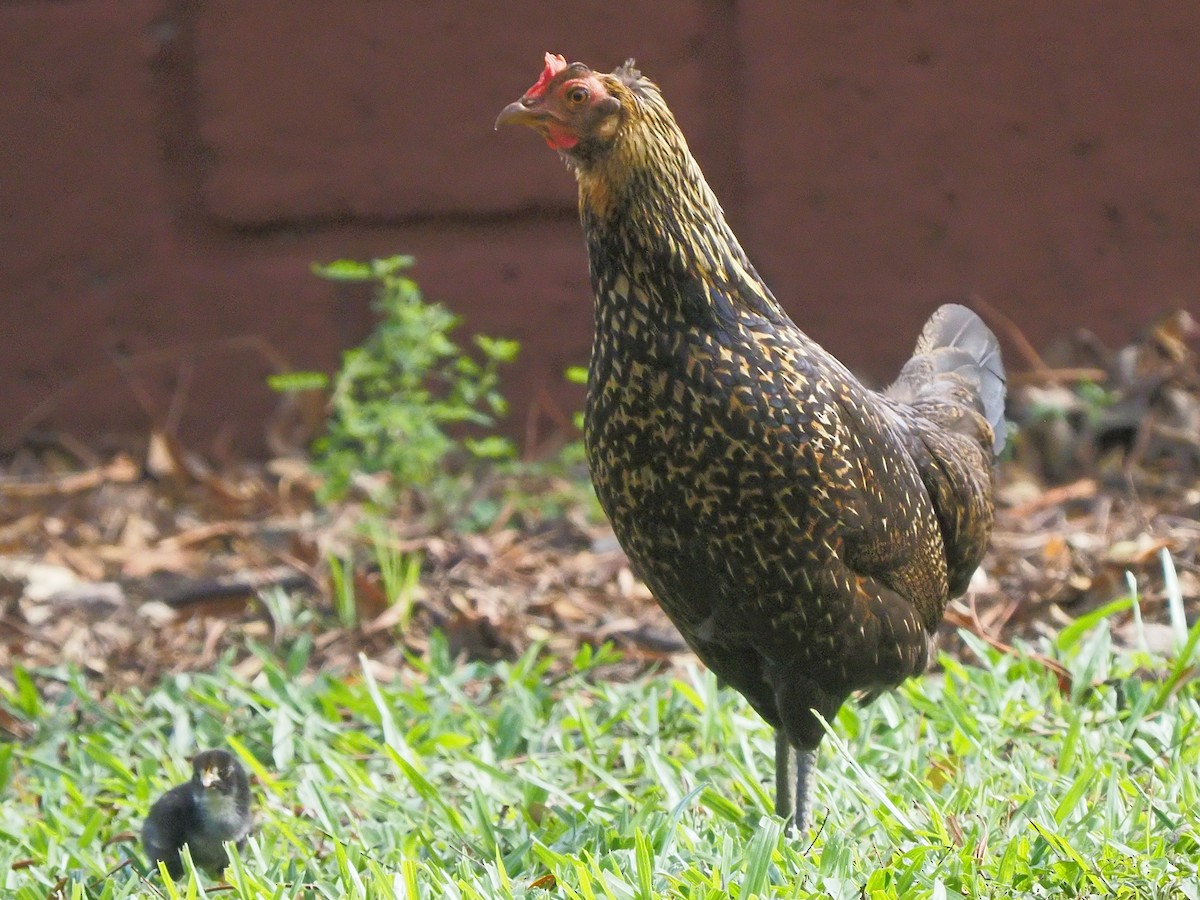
<point>170,169</point>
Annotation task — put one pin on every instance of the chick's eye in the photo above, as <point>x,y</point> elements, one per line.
<point>577,95</point>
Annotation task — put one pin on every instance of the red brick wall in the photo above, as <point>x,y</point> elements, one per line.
<point>170,168</point>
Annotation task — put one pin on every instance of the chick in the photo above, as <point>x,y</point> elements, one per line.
<point>204,813</point>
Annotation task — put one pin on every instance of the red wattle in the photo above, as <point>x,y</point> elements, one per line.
<point>561,139</point>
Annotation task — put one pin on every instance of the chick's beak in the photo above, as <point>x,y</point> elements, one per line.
<point>520,113</point>
<point>209,777</point>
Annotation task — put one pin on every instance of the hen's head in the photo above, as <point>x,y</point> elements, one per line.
<point>576,110</point>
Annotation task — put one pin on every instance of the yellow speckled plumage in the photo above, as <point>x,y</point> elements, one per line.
<point>803,532</point>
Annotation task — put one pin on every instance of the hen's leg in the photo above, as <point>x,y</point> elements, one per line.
<point>806,767</point>
<point>794,808</point>
<point>785,800</point>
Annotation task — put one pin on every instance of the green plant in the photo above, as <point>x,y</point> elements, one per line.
<point>573,452</point>
<point>399,575</point>
<point>399,572</point>
<point>398,396</point>
<point>341,580</point>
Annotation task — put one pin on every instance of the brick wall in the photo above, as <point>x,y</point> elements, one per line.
<point>170,168</point>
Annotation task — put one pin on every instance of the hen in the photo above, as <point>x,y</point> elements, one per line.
<point>803,532</point>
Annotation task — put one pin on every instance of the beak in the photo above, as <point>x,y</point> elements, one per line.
<point>517,113</point>
<point>209,777</point>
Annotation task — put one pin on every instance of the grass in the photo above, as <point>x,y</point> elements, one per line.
<point>468,781</point>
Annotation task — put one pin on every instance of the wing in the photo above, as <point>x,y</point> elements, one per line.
<point>166,827</point>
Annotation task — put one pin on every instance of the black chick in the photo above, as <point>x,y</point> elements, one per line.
<point>204,813</point>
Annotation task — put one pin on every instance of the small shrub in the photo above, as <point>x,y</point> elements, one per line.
<point>397,394</point>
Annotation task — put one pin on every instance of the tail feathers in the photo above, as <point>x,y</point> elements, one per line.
<point>955,368</point>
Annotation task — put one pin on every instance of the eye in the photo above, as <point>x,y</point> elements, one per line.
<point>577,95</point>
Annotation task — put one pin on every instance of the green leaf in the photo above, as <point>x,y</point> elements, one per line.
<point>389,266</point>
<point>1071,635</point>
<point>1084,780</point>
<point>491,447</point>
<point>344,270</point>
<point>758,857</point>
<point>498,349</point>
<point>645,865</point>
<point>25,698</point>
<point>291,382</point>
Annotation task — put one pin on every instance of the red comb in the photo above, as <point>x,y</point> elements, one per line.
<point>554,64</point>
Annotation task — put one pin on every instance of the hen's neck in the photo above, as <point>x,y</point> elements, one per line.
<point>659,244</point>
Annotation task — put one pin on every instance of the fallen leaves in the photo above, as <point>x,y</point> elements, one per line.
<point>134,568</point>
<point>158,562</point>
<point>120,471</point>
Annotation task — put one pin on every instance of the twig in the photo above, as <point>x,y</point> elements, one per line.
<point>543,405</point>
<point>85,457</point>
<point>973,625</point>
<point>137,391</point>
<point>183,386</point>
<point>121,470</point>
<point>201,533</point>
<point>1041,376</point>
<point>248,343</point>
<point>1076,490</point>
<point>1041,371</point>
<point>238,584</point>
<point>1010,328</point>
